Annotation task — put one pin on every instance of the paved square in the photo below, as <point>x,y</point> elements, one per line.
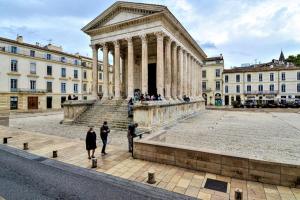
<point>259,135</point>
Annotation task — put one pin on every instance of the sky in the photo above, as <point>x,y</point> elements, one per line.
<point>244,31</point>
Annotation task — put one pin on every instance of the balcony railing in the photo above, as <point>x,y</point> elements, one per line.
<point>256,92</point>
<point>206,89</point>
<point>40,55</point>
<point>26,90</point>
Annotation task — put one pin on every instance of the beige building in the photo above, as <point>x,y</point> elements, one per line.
<point>35,77</point>
<point>212,82</point>
<point>273,81</point>
<point>152,52</point>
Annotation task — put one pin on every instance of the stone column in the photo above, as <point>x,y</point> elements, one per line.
<point>123,90</point>
<point>188,73</point>
<point>117,69</point>
<point>193,77</point>
<point>144,64</point>
<point>185,72</point>
<point>160,64</point>
<point>168,71</point>
<point>105,71</point>
<point>95,71</point>
<point>130,57</point>
<point>179,74</point>
<point>174,71</point>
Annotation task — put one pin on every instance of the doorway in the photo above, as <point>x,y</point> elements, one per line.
<point>152,79</point>
<point>49,102</point>
<point>226,100</point>
<point>33,103</point>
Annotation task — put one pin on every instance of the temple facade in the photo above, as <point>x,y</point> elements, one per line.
<point>152,52</point>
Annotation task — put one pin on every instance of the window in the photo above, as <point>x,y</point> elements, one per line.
<point>84,87</point>
<point>32,53</point>
<point>283,76</point>
<point>260,88</point>
<point>271,76</point>
<point>63,72</point>
<point>13,85</point>
<point>49,86</point>
<point>226,78</point>
<point>248,88</point>
<point>100,76</point>
<point>75,88</point>
<point>298,87</point>
<point>298,76</point>
<point>237,78</point>
<point>76,62</point>
<point>63,59</point>
<point>13,49</point>
<point>32,85</point>
<point>204,74</point>
<point>49,70</point>
<point>204,85</point>
<point>14,65</point>
<point>260,76</point>
<point>218,85</point>
<point>248,77</point>
<point>32,68</point>
<point>13,103</point>
<point>283,88</point>
<point>84,74</point>
<point>100,88</point>
<point>272,88</point>
<point>75,73</point>
<point>63,87</point>
<point>48,56</point>
<point>218,72</point>
<point>238,89</point>
<point>226,89</point>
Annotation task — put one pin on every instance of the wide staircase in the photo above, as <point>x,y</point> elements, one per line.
<point>113,111</point>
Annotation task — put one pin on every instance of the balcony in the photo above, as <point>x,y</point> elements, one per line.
<point>26,90</point>
<point>206,89</point>
<point>265,92</point>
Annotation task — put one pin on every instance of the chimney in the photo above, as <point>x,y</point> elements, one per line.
<point>20,39</point>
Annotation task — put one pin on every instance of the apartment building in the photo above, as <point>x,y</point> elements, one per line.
<point>273,81</point>
<point>35,77</point>
<point>212,83</point>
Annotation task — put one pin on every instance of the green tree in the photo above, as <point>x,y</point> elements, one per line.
<point>294,59</point>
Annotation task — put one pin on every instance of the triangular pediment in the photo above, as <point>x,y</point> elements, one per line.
<point>122,11</point>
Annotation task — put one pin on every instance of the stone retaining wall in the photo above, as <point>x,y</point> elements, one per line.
<point>74,108</point>
<point>152,149</point>
<point>4,117</point>
<point>157,113</point>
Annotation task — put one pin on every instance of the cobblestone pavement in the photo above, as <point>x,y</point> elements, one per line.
<point>119,163</point>
<point>49,123</point>
<point>273,136</point>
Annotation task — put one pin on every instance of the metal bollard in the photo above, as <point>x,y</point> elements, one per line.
<point>25,146</point>
<point>5,140</point>
<point>94,162</point>
<point>151,177</point>
<point>55,154</point>
<point>238,194</point>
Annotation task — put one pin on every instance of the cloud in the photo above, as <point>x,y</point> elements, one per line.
<point>208,45</point>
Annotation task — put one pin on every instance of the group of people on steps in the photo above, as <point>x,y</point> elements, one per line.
<point>91,139</point>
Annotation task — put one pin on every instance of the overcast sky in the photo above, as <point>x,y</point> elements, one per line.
<point>242,30</point>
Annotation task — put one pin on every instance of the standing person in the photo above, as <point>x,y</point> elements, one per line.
<point>130,135</point>
<point>104,130</point>
<point>90,142</point>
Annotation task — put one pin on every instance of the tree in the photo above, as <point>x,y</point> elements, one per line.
<point>294,59</point>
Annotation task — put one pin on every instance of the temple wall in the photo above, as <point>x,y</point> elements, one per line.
<point>73,109</point>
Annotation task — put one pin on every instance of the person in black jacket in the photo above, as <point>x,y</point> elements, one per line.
<point>104,130</point>
<point>130,135</point>
<point>90,142</point>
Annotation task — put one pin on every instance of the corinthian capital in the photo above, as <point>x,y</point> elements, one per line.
<point>117,43</point>
<point>143,37</point>
<point>159,35</point>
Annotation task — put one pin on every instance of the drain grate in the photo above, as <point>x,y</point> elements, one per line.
<point>217,185</point>
<point>40,159</point>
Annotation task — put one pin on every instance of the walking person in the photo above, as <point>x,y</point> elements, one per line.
<point>90,142</point>
<point>104,130</point>
<point>130,135</point>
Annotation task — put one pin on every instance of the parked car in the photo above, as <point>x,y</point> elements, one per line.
<point>237,104</point>
<point>250,104</point>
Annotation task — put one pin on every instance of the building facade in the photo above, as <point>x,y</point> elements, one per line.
<point>152,52</point>
<point>212,81</point>
<point>35,77</point>
<point>273,81</point>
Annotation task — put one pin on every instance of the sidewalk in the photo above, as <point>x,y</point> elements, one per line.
<point>119,163</point>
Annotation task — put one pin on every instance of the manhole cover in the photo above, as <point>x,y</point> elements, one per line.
<point>217,185</point>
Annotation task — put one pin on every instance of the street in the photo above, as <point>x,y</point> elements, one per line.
<point>25,176</point>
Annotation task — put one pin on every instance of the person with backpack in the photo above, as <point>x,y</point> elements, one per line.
<point>104,130</point>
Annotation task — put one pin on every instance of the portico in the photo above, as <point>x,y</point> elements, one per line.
<point>149,45</point>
